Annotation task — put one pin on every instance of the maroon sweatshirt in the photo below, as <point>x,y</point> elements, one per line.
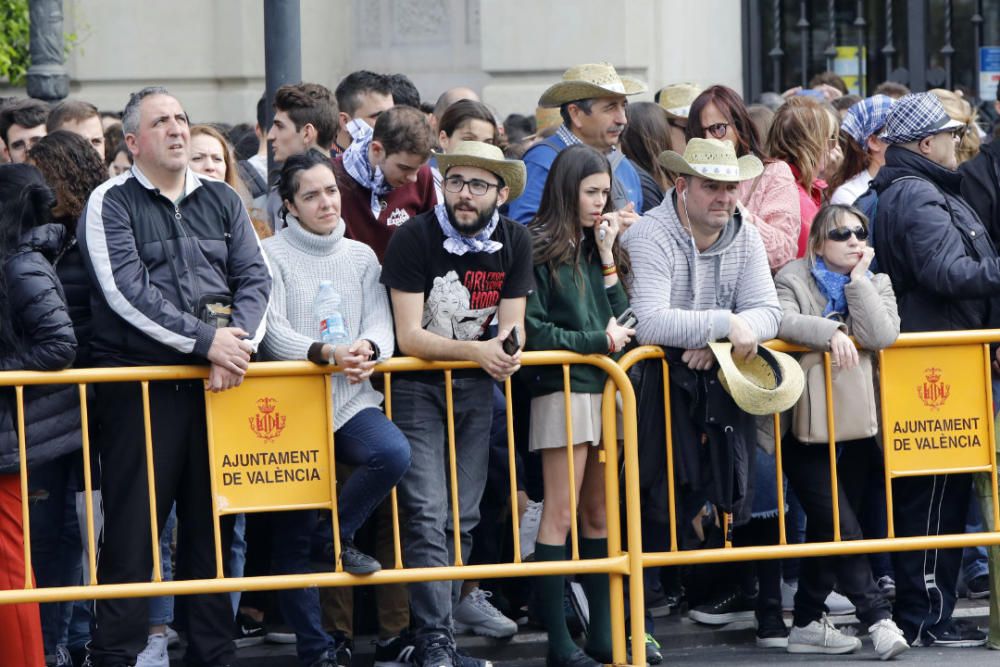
<point>401,204</point>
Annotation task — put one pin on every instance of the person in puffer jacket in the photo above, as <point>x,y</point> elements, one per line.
<point>36,334</point>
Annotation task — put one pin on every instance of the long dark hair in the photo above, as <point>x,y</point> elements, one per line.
<point>73,169</point>
<point>730,104</point>
<point>25,202</point>
<point>555,230</point>
<point>645,137</point>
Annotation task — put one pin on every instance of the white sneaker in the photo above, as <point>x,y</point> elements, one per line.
<point>475,614</point>
<point>836,603</point>
<point>788,590</point>
<point>155,653</point>
<point>528,528</point>
<point>821,637</point>
<point>173,639</point>
<point>887,638</point>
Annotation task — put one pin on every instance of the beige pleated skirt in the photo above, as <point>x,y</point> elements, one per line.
<point>548,420</point>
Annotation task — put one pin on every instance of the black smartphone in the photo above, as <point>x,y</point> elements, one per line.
<point>512,343</point>
<point>628,319</point>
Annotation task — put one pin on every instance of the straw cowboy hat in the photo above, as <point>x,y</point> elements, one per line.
<point>712,159</point>
<point>488,157</point>
<point>586,82</point>
<point>676,98</point>
<point>770,382</point>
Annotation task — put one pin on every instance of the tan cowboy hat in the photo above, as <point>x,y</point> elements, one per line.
<point>676,98</point>
<point>712,159</point>
<point>586,82</point>
<point>547,117</point>
<point>488,157</point>
<point>770,382</point>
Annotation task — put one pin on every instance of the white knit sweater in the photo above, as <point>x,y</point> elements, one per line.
<point>300,260</point>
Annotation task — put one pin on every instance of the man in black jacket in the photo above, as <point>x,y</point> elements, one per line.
<point>160,243</point>
<point>944,269</point>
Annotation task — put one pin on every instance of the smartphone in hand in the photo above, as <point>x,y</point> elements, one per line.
<point>512,343</point>
<point>628,319</point>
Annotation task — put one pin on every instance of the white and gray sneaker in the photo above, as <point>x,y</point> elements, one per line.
<point>475,614</point>
<point>155,653</point>
<point>888,639</point>
<point>821,637</point>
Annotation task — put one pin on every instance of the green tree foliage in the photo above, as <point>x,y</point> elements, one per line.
<point>14,30</point>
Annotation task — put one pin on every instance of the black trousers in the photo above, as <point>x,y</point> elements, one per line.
<point>927,581</point>
<point>808,470</point>
<point>180,457</point>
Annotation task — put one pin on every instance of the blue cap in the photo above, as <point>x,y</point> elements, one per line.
<point>914,117</point>
<point>867,117</point>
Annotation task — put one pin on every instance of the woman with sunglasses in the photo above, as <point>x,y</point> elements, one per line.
<point>770,201</point>
<point>804,135</point>
<point>825,298</point>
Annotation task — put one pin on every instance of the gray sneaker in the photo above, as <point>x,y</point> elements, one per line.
<point>475,614</point>
<point>821,637</point>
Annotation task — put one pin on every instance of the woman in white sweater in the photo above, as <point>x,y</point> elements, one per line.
<point>310,250</point>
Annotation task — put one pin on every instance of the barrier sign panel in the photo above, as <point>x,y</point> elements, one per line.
<point>270,443</point>
<point>936,408</point>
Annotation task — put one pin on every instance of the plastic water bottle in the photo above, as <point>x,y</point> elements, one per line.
<point>326,311</point>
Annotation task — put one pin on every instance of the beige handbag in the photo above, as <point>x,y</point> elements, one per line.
<point>855,413</point>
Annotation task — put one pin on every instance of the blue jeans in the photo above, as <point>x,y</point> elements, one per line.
<point>382,454</point>
<point>56,546</point>
<point>161,609</point>
<point>419,411</point>
<point>974,563</point>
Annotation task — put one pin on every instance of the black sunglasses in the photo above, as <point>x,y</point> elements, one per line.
<point>841,234</point>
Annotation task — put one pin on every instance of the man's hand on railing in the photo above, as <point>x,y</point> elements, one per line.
<point>230,351</point>
<point>743,338</point>
<point>699,360</point>
<point>221,379</point>
<point>492,359</point>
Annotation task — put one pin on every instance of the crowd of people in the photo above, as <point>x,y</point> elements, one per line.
<point>696,223</point>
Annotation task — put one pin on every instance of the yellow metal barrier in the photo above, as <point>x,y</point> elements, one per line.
<point>961,347</point>
<point>617,564</point>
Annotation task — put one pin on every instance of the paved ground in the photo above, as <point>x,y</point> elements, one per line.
<point>683,642</point>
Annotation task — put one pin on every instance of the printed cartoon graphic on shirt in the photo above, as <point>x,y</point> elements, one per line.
<point>448,308</point>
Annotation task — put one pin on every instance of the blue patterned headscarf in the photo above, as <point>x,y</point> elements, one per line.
<point>831,284</point>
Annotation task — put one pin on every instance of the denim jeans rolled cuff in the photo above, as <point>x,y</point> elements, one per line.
<point>381,454</point>
<point>424,492</point>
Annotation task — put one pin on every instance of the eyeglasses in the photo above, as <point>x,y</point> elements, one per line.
<point>476,186</point>
<point>718,130</point>
<point>841,234</point>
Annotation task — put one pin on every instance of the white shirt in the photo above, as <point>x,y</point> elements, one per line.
<point>851,189</point>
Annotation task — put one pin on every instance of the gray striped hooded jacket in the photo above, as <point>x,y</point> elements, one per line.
<point>683,298</point>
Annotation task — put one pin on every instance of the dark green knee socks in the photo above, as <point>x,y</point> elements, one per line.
<point>598,599</point>
<point>550,602</point>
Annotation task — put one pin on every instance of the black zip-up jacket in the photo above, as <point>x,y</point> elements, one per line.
<point>42,323</point>
<point>151,262</point>
<point>981,187</point>
<point>944,268</point>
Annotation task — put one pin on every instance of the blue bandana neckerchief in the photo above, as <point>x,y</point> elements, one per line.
<point>459,244</point>
<point>831,284</point>
<point>356,164</point>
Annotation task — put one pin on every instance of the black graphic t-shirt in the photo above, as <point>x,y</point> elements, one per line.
<point>461,292</point>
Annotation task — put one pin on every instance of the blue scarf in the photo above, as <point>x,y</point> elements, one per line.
<point>459,244</point>
<point>356,164</point>
<point>831,284</point>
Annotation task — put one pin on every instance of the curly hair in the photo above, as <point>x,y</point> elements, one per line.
<point>72,168</point>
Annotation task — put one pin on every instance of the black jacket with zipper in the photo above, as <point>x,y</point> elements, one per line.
<point>152,261</point>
